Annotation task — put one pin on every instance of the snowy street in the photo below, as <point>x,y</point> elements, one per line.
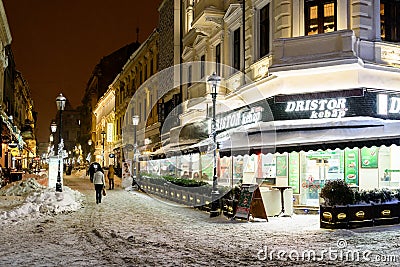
<point>130,228</point>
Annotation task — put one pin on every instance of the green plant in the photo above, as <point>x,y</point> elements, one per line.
<point>375,196</point>
<point>337,192</point>
<point>396,194</point>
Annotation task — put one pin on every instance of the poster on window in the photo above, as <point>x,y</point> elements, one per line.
<point>249,163</point>
<point>268,166</point>
<point>351,166</point>
<point>238,167</point>
<point>369,157</point>
<point>294,172</point>
<point>207,167</point>
<point>281,166</point>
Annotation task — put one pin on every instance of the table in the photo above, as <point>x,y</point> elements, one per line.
<point>282,189</point>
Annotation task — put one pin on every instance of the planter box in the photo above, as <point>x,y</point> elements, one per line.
<point>355,216</point>
<point>360,216</point>
<point>189,196</point>
<point>386,213</point>
<point>335,217</point>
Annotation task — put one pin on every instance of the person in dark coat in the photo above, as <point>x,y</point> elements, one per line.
<point>92,169</point>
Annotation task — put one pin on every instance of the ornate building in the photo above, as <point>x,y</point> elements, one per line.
<point>130,101</point>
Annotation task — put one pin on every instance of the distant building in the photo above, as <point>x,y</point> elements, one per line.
<point>102,76</point>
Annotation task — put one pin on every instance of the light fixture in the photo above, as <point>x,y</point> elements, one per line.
<point>135,121</point>
<point>214,80</point>
<point>103,134</point>
<point>60,102</point>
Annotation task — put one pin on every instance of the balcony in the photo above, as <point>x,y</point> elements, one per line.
<point>316,50</point>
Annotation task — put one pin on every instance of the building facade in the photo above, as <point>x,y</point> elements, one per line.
<point>309,92</point>
<point>130,101</point>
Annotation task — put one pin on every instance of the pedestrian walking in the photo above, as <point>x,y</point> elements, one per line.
<point>92,169</point>
<point>110,176</point>
<point>98,181</point>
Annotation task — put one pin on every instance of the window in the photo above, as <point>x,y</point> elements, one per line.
<point>236,49</point>
<point>320,16</point>
<point>264,31</point>
<point>203,66</point>
<point>390,20</point>
<point>189,76</point>
<point>218,59</point>
<point>145,107</point>
<point>151,67</point>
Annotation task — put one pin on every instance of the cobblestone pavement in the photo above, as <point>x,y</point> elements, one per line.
<point>135,229</point>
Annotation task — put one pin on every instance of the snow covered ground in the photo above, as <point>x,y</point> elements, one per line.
<point>130,228</point>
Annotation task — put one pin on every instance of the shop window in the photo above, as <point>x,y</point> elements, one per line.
<point>390,20</point>
<point>389,171</point>
<point>320,16</point>
<point>264,31</point>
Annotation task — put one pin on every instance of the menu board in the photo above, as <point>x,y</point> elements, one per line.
<point>369,157</point>
<point>294,172</point>
<point>250,202</point>
<point>281,166</point>
<point>351,166</point>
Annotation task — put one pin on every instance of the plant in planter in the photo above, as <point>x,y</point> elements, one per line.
<point>337,192</point>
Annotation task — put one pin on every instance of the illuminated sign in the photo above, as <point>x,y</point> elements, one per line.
<point>387,105</point>
<point>239,118</point>
<point>110,128</point>
<point>319,108</point>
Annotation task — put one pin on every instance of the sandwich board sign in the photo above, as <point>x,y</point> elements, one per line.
<point>250,203</point>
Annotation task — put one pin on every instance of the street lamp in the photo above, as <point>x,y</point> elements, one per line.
<point>135,121</point>
<point>60,101</point>
<point>103,134</point>
<point>214,80</point>
<point>53,128</point>
<point>89,157</point>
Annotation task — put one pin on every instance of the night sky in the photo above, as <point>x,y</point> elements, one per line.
<point>57,44</point>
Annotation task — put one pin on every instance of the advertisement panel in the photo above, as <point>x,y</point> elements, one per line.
<point>351,166</point>
<point>369,157</point>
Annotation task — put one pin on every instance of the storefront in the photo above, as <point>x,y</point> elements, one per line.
<point>351,135</point>
<point>301,141</point>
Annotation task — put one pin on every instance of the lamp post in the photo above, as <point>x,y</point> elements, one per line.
<point>60,101</point>
<point>214,80</point>
<point>135,121</point>
<point>89,157</point>
<point>53,128</point>
<point>103,134</point>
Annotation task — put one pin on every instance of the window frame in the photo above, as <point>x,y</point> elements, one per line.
<point>392,20</point>
<point>320,17</point>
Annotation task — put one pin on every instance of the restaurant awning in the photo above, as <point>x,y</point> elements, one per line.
<point>288,136</point>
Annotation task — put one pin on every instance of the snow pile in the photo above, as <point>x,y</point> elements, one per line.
<point>39,201</point>
<point>21,188</point>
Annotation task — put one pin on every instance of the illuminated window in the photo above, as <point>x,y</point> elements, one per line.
<point>390,20</point>
<point>320,16</point>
